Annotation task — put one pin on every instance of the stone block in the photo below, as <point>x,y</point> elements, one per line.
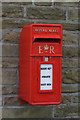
<point>7,90</point>
<point>28,112</point>
<point>73,14</point>
<point>12,11</point>
<point>12,37</point>
<point>9,76</point>
<point>66,99</point>
<point>46,13</point>
<point>70,89</point>
<point>65,63</point>
<point>76,98</point>
<point>11,101</point>
<point>12,23</point>
<point>74,63</point>
<point>70,38</point>
<point>66,110</point>
<point>70,76</point>
<point>70,51</point>
<point>10,62</point>
<point>18,3</point>
<point>66,4</point>
<point>10,50</point>
<point>49,3</point>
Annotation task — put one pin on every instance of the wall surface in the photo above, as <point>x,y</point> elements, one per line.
<point>16,15</point>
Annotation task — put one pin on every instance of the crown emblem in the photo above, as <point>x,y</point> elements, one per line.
<point>46,47</point>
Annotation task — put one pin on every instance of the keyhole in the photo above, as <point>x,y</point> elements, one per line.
<point>37,78</point>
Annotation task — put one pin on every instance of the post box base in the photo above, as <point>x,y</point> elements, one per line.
<point>22,101</point>
<point>46,103</point>
<point>39,103</point>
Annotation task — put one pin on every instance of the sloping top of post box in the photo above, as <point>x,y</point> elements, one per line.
<point>47,31</point>
<point>40,30</point>
<point>46,25</point>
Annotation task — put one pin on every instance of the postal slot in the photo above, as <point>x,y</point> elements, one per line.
<point>47,40</point>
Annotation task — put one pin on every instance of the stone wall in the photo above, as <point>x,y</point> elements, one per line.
<point>16,15</point>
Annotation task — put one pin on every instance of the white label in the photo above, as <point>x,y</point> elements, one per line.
<point>46,77</point>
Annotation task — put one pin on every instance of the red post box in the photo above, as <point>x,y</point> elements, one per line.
<point>40,66</point>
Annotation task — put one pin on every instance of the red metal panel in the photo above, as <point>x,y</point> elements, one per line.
<point>36,42</point>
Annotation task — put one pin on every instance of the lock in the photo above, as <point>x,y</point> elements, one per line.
<point>40,65</point>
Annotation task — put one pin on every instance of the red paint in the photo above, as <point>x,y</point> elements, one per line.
<point>30,61</point>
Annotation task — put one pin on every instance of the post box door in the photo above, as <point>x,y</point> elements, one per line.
<point>47,89</point>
